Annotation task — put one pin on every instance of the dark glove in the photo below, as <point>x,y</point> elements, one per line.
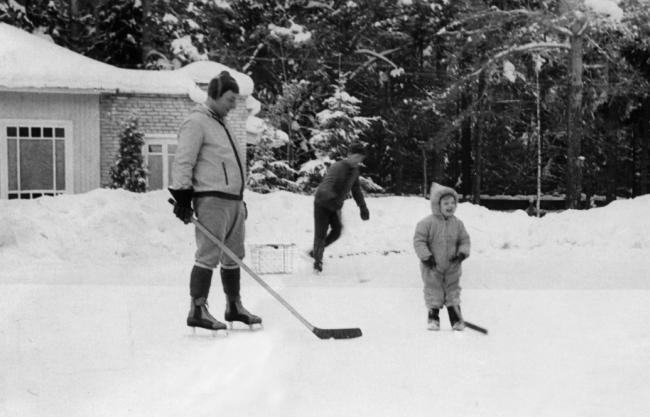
<point>183,204</point>
<point>245,211</point>
<point>365,214</point>
<point>429,262</point>
<point>458,258</point>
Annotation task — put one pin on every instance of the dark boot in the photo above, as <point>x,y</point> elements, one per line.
<point>234,310</point>
<point>455,318</point>
<point>200,282</point>
<point>317,254</point>
<point>433,319</point>
<point>199,316</point>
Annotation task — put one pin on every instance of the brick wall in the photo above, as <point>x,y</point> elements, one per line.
<point>157,114</point>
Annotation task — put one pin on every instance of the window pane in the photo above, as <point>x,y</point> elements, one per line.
<point>12,132</point>
<point>47,132</point>
<point>171,149</point>
<point>59,132</point>
<point>60,164</point>
<point>23,132</point>
<point>36,165</point>
<point>36,132</point>
<point>155,148</point>
<point>155,172</point>
<point>12,159</point>
<point>170,161</point>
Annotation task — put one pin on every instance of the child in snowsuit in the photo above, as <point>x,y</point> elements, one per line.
<point>442,243</point>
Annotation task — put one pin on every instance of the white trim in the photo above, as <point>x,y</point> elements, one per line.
<point>53,90</point>
<point>163,139</point>
<point>4,161</point>
<point>68,141</point>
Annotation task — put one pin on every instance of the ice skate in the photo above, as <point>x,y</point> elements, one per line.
<point>199,316</point>
<point>433,322</point>
<point>456,318</point>
<point>318,267</point>
<point>236,312</point>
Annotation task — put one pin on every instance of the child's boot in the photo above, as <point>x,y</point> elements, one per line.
<point>433,322</point>
<point>456,318</point>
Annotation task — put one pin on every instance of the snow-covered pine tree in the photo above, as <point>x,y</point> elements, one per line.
<point>128,171</point>
<point>266,172</point>
<point>339,124</point>
<point>283,139</point>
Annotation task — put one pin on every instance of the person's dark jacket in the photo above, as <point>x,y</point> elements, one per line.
<point>341,179</point>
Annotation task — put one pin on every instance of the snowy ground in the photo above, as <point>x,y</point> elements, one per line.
<point>94,299</point>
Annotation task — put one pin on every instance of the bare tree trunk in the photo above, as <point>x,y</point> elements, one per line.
<point>438,165</point>
<point>73,22</point>
<point>147,36</point>
<point>477,135</point>
<point>425,179</point>
<point>644,144</point>
<point>574,125</point>
<point>465,133</point>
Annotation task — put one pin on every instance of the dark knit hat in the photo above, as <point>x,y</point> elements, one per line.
<point>222,83</point>
<point>357,147</point>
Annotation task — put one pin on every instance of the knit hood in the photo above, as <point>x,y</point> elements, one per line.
<point>437,192</point>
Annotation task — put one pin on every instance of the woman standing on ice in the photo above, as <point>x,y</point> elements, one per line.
<point>208,177</point>
<point>442,243</point>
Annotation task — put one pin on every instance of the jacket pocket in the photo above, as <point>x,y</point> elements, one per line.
<point>225,172</point>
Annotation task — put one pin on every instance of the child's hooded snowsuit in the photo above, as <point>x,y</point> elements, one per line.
<point>443,238</point>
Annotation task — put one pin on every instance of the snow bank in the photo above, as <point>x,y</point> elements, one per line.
<point>104,225</point>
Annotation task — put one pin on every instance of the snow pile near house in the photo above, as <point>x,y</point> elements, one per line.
<point>108,225</point>
<point>201,72</point>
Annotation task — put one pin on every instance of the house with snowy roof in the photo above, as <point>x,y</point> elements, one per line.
<point>61,115</point>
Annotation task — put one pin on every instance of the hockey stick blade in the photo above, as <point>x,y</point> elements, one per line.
<point>337,333</point>
<point>476,328</point>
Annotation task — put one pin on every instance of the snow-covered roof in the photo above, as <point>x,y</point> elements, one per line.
<point>201,72</point>
<point>28,61</point>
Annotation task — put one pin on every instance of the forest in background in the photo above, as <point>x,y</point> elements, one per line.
<point>491,97</point>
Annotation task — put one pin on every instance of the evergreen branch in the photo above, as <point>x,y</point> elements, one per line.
<point>490,15</point>
<point>252,58</point>
<point>375,57</point>
<point>513,50</point>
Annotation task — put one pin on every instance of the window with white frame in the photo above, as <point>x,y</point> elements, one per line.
<point>158,155</point>
<point>35,158</point>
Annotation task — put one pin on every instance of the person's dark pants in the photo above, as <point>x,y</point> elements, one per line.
<point>325,219</point>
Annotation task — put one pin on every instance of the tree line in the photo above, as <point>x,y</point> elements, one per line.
<point>491,97</point>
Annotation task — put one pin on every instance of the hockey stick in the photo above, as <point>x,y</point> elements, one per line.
<point>475,327</point>
<point>320,333</point>
<point>469,324</point>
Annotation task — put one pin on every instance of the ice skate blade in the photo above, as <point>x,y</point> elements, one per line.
<point>207,333</point>
<point>249,327</point>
